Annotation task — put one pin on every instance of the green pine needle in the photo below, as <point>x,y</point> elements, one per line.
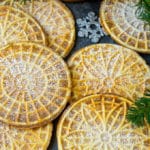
<point>143,10</point>
<point>139,113</point>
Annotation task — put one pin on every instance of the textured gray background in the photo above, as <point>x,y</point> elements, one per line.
<point>80,10</point>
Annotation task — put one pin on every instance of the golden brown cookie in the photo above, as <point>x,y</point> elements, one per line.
<point>35,85</point>
<point>18,26</point>
<point>56,20</point>
<point>12,138</point>
<point>107,68</point>
<point>120,21</point>
<point>99,122</point>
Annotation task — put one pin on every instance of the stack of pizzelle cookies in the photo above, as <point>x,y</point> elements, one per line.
<point>55,19</point>
<point>99,81</point>
<point>35,80</point>
<point>106,80</point>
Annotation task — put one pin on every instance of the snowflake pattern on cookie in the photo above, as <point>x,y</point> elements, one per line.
<point>89,27</point>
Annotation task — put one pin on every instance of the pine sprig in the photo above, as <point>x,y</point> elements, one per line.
<point>139,113</point>
<point>143,10</point>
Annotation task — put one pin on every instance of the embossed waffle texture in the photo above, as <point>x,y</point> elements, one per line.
<point>18,26</point>
<point>19,139</point>
<point>56,20</point>
<point>106,68</point>
<point>35,84</point>
<point>99,122</point>
<point>119,19</point>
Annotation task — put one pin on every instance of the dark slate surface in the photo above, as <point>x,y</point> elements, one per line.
<point>80,10</point>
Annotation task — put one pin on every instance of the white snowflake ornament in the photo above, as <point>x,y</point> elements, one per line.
<point>89,27</point>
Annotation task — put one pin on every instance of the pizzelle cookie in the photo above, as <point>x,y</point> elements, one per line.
<point>99,122</point>
<point>119,20</point>
<point>56,20</point>
<point>35,85</point>
<point>107,68</point>
<point>25,139</point>
<point>18,26</point>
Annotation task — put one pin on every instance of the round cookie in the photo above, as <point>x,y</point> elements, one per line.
<point>99,122</point>
<point>25,139</point>
<point>18,26</point>
<point>35,85</point>
<point>107,68</point>
<point>120,21</point>
<point>56,20</point>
